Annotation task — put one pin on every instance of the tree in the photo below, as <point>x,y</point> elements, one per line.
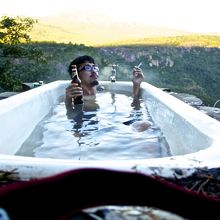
<point>15,52</point>
<point>14,30</point>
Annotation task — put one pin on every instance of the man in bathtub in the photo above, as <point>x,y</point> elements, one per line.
<point>88,73</point>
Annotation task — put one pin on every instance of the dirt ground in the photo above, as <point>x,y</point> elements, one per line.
<point>204,181</point>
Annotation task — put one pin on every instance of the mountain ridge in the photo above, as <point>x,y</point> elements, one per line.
<point>94,29</point>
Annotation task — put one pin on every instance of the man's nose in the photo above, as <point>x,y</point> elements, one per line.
<point>95,73</point>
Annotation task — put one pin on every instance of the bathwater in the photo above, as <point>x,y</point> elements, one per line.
<point>107,128</point>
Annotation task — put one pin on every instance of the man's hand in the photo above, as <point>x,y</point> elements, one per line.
<point>137,79</point>
<point>137,76</point>
<point>72,91</point>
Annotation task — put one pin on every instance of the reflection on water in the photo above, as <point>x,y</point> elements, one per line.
<point>102,130</point>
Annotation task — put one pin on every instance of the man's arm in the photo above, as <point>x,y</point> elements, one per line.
<point>137,78</point>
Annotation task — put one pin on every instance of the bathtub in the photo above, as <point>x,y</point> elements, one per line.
<point>193,136</point>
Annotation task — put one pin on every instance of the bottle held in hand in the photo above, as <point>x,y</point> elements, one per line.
<point>76,79</point>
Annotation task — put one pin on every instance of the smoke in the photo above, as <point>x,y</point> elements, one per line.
<point>105,73</point>
<point>123,72</point>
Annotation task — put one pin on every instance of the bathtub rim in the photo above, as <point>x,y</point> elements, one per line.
<point>30,167</point>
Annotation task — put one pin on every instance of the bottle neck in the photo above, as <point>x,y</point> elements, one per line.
<point>75,75</point>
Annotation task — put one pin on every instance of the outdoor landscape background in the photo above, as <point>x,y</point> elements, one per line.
<point>177,41</point>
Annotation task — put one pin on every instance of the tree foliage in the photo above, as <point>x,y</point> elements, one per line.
<point>14,30</point>
<point>15,52</point>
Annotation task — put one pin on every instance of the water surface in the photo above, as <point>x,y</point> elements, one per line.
<point>103,130</point>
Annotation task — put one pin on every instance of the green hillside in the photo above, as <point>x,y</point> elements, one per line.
<point>193,70</point>
<point>115,34</point>
<point>50,33</point>
<point>175,41</point>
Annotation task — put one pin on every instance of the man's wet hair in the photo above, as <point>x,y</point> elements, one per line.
<point>79,60</point>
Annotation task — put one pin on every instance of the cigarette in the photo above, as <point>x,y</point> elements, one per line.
<point>139,65</point>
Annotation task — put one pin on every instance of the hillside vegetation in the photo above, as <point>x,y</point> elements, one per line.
<point>194,70</point>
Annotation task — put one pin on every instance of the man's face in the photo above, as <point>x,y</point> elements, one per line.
<point>88,73</point>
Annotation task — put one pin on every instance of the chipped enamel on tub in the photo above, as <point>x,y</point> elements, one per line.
<point>193,136</point>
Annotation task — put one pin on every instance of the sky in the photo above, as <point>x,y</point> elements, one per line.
<point>199,16</point>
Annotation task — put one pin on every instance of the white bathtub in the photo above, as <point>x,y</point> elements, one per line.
<point>192,136</point>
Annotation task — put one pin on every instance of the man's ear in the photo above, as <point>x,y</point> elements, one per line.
<point>80,75</point>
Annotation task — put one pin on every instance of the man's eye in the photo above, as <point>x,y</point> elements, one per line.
<point>88,68</point>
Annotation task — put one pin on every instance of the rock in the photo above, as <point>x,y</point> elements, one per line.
<point>28,86</point>
<point>211,111</point>
<point>5,95</point>
<point>187,98</point>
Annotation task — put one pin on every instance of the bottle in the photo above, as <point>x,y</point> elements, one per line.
<point>76,79</point>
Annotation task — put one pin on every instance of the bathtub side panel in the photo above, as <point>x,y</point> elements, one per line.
<point>19,114</point>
